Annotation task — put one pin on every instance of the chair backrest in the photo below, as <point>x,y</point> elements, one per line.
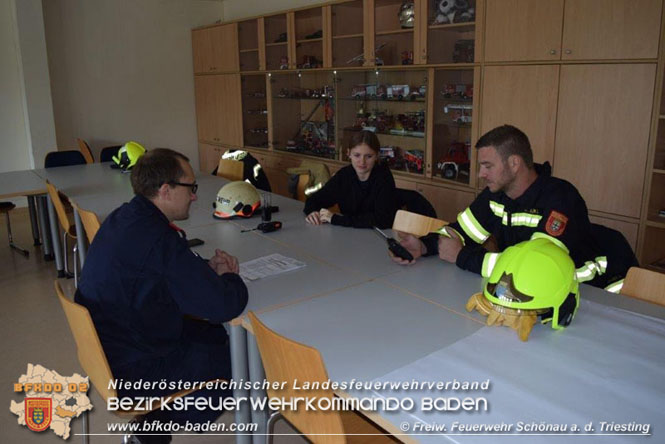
<point>90,222</point>
<point>59,206</point>
<point>84,148</point>
<point>644,284</point>
<point>285,360</point>
<point>63,158</point>
<point>88,346</point>
<point>107,153</point>
<point>230,169</point>
<point>416,224</point>
<point>414,202</point>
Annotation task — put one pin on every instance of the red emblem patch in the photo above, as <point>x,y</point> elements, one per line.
<point>38,413</point>
<point>556,224</point>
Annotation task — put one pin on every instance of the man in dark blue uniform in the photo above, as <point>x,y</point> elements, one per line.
<point>148,293</point>
<point>522,198</point>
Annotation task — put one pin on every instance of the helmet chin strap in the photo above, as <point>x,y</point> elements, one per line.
<point>522,321</point>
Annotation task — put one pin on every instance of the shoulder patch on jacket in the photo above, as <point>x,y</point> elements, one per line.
<point>556,224</point>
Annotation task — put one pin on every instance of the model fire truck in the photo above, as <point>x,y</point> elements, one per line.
<point>455,162</point>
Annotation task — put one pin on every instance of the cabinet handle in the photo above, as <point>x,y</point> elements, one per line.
<point>568,51</point>
<point>553,51</point>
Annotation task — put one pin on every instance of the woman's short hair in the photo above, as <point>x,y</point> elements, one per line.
<point>155,168</point>
<point>366,137</point>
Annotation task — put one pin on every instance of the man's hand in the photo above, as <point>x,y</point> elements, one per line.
<point>222,262</point>
<point>313,218</point>
<point>449,247</point>
<point>325,216</point>
<point>413,245</point>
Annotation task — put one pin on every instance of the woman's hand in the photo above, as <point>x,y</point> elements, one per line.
<point>325,216</point>
<point>313,218</point>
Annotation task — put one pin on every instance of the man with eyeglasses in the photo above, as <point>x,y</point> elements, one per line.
<point>148,293</point>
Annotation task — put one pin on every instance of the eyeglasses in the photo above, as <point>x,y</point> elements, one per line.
<point>194,186</point>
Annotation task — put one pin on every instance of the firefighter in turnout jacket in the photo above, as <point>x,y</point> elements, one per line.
<point>522,198</point>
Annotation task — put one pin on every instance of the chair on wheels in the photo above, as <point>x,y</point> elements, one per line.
<point>63,158</point>
<point>644,284</point>
<point>92,357</point>
<point>285,360</point>
<point>90,222</point>
<point>6,207</point>
<point>68,227</point>
<point>84,148</point>
<point>107,153</point>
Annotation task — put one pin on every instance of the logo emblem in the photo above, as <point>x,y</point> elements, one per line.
<point>556,224</point>
<point>38,413</point>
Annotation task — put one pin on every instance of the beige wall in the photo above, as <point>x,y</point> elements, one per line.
<point>14,145</point>
<point>122,70</point>
<point>235,9</point>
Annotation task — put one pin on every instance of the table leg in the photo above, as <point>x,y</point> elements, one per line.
<point>80,237</point>
<point>33,220</point>
<point>256,373</point>
<point>55,238</point>
<point>240,373</point>
<point>45,229</point>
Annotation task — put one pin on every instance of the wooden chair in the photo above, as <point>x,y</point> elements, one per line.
<point>68,227</point>
<point>84,148</point>
<point>287,360</point>
<point>230,169</point>
<point>92,357</point>
<point>90,222</point>
<point>416,224</point>
<point>303,183</point>
<point>644,284</point>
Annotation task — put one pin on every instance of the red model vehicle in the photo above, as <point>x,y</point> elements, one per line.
<point>455,161</point>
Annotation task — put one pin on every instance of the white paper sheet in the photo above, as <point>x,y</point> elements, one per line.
<point>265,266</point>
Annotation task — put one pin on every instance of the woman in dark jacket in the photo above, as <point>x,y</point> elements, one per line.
<point>364,190</point>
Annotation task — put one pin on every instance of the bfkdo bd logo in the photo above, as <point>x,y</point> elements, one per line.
<point>38,413</point>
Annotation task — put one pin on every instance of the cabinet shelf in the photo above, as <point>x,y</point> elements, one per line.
<point>658,171</point>
<point>655,224</point>
<point>388,133</point>
<point>396,31</point>
<point>460,27</point>
<point>309,40</point>
<point>276,44</point>
<point>347,36</point>
<point>377,99</point>
<point>242,51</point>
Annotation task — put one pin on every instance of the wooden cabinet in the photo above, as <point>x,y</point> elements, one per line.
<point>611,29</point>
<point>219,108</point>
<point>523,30</point>
<point>215,49</point>
<point>526,97</point>
<point>519,30</point>
<point>603,133</point>
<point>209,156</point>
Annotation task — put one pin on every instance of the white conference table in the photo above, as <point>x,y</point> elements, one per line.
<point>27,183</point>
<point>609,365</point>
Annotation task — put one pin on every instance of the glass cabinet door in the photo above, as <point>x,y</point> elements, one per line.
<point>453,119</point>
<point>309,38</point>
<point>347,34</point>
<point>277,38</point>
<point>303,105</point>
<point>248,45</point>
<point>254,111</point>
<point>392,104</point>
<point>451,31</point>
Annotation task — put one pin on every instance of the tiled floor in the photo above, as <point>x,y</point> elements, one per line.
<point>34,330</point>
